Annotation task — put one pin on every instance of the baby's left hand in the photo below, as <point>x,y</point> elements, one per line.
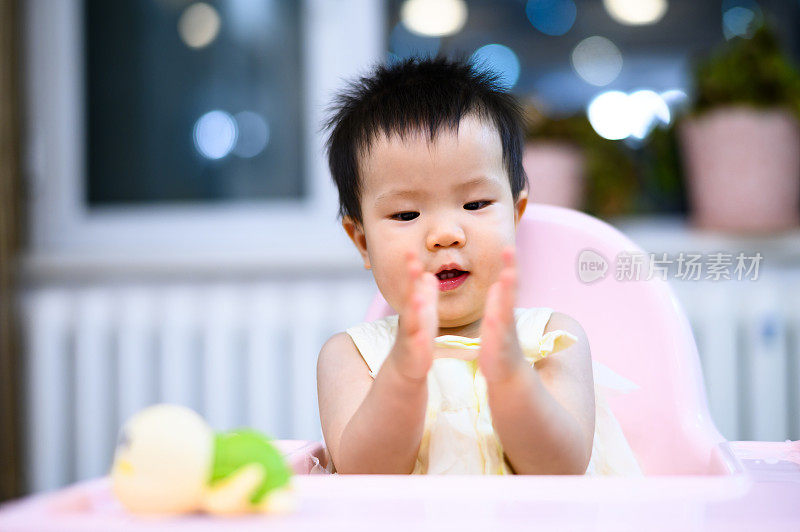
<point>501,356</point>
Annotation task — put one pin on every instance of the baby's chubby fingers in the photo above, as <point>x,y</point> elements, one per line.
<point>418,322</point>
<point>412,302</point>
<point>491,333</point>
<point>429,290</point>
<point>502,294</point>
<point>500,354</point>
<point>507,286</point>
<point>413,271</point>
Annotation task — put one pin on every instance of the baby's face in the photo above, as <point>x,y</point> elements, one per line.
<point>449,201</point>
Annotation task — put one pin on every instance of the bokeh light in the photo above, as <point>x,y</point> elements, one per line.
<point>676,99</point>
<point>615,115</point>
<point>646,109</point>
<point>551,17</point>
<point>253,134</point>
<point>434,18</point>
<point>198,25</point>
<point>597,60</point>
<point>215,134</point>
<point>502,60</point>
<point>740,18</point>
<point>636,12</point>
<point>607,113</point>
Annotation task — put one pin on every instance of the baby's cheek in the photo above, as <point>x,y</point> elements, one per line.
<point>390,286</point>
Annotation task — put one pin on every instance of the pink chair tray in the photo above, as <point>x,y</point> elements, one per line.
<point>725,477</point>
<point>361,502</point>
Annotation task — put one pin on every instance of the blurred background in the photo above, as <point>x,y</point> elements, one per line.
<point>168,228</point>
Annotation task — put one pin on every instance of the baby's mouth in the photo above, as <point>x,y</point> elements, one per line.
<point>451,279</point>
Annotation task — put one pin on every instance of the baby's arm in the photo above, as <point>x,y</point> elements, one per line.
<point>369,427</point>
<point>376,426</point>
<point>544,416</point>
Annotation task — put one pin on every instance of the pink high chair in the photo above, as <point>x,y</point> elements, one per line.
<point>635,327</point>
<point>694,478</point>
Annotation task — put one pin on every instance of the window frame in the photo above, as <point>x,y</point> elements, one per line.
<point>61,225</point>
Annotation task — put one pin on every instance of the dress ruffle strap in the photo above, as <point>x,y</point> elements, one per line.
<point>549,343</point>
<point>552,342</point>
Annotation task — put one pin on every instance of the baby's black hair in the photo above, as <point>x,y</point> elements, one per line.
<point>417,94</point>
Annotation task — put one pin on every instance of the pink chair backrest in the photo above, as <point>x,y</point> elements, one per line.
<point>635,327</point>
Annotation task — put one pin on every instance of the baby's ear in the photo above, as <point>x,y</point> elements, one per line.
<point>356,233</point>
<point>519,208</point>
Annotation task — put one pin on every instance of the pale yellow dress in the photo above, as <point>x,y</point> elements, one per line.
<point>458,437</point>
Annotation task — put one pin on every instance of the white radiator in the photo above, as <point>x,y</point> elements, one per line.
<point>245,354</point>
<point>238,353</point>
<point>748,337</point>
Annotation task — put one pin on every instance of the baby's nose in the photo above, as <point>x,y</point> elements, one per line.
<point>444,236</point>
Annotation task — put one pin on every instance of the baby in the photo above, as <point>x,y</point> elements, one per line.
<point>426,155</point>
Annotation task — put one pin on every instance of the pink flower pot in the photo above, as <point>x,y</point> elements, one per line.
<point>556,173</point>
<point>743,170</point>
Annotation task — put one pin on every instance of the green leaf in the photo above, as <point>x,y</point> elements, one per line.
<point>752,71</point>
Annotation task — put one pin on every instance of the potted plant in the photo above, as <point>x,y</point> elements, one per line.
<point>570,165</point>
<point>741,143</point>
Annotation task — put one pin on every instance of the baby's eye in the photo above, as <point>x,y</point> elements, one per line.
<point>475,205</point>
<point>404,216</point>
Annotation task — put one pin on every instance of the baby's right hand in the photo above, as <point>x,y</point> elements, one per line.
<point>418,324</point>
